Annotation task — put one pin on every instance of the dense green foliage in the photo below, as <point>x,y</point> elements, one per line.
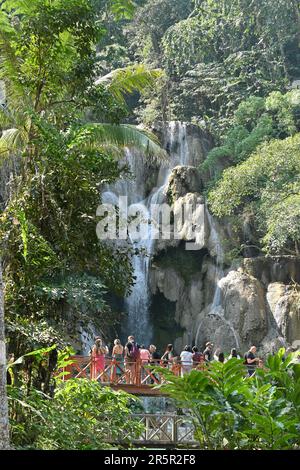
<point>267,186</point>
<point>231,411</point>
<point>256,120</point>
<point>216,53</point>
<point>81,416</point>
<point>49,410</point>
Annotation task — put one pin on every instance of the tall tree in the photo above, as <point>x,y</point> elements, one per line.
<point>50,72</point>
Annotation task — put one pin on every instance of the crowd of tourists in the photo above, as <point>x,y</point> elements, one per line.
<point>131,359</point>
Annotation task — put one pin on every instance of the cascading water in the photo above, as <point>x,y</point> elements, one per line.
<point>219,273</point>
<point>216,306</point>
<point>138,302</point>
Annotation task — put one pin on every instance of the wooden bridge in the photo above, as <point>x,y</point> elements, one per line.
<point>162,430</point>
<point>137,378</point>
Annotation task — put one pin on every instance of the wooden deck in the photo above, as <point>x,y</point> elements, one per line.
<point>142,390</point>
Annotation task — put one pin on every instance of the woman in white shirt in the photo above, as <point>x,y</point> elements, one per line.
<point>186,358</point>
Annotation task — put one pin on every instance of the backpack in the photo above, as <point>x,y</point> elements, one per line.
<point>134,352</point>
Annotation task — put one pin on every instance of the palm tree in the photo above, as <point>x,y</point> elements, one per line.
<point>33,86</point>
<point>4,433</point>
<point>17,134</point>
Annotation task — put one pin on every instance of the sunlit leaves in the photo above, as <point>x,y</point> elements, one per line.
<point>270,177</point>
<point>233,411</point>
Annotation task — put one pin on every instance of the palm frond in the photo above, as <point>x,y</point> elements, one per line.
<point>124,81</point>
<point>122,135</point>
<point>11,140</point>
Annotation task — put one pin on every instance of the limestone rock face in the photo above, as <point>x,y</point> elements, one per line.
<point>245,306</point>
<point>188,220</point>
<point>251,303</point>
<point>247,312</point>
<point>239,320</point>
<point>167,282</point>
<point>183,179</point>
<point>275,291</point>
<point>283,269</point>
<point>197,142</point>
<point>284,303</point>
<point>191,225</point>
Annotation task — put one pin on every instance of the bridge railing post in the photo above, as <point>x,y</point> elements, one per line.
<point>138,367</point>
<point>147,428</point>
<point>175,429</point>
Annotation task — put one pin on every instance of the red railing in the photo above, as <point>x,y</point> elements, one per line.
<point>122,372</point>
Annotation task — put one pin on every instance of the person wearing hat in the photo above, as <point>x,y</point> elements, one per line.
<point>207,353</point>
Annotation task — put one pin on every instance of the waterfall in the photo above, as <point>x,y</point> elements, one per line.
<point>183,145</point>
<point>219,272</point>
<point>216,308</point>
<point>137,304</point>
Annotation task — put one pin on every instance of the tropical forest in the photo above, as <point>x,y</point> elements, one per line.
<point>150,226</point>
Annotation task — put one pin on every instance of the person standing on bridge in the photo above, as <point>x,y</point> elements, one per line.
<point>132,361</point>
<point>186,360</point>
<point>145,359</point>
<point>207,353</point>
<point>251,360</point>
<point>155,360</point>
<point>233,353</point>
<point>117,355</point>
<point>198,358</point>
<point>168,356</point>
<point>98,359</point>
<point>145,355</point>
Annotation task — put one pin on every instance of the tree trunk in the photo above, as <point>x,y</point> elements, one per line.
<point>4,432</point>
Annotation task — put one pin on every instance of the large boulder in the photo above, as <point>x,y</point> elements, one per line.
<point>244,305</point>
<point>183,180</point>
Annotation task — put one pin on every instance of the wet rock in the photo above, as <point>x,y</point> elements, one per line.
<point>186,140</point>
<point>284,302</point>
<point>183,180</point>
<point>245,306</point>
<point>271,269</point>
<point>189,216</point>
